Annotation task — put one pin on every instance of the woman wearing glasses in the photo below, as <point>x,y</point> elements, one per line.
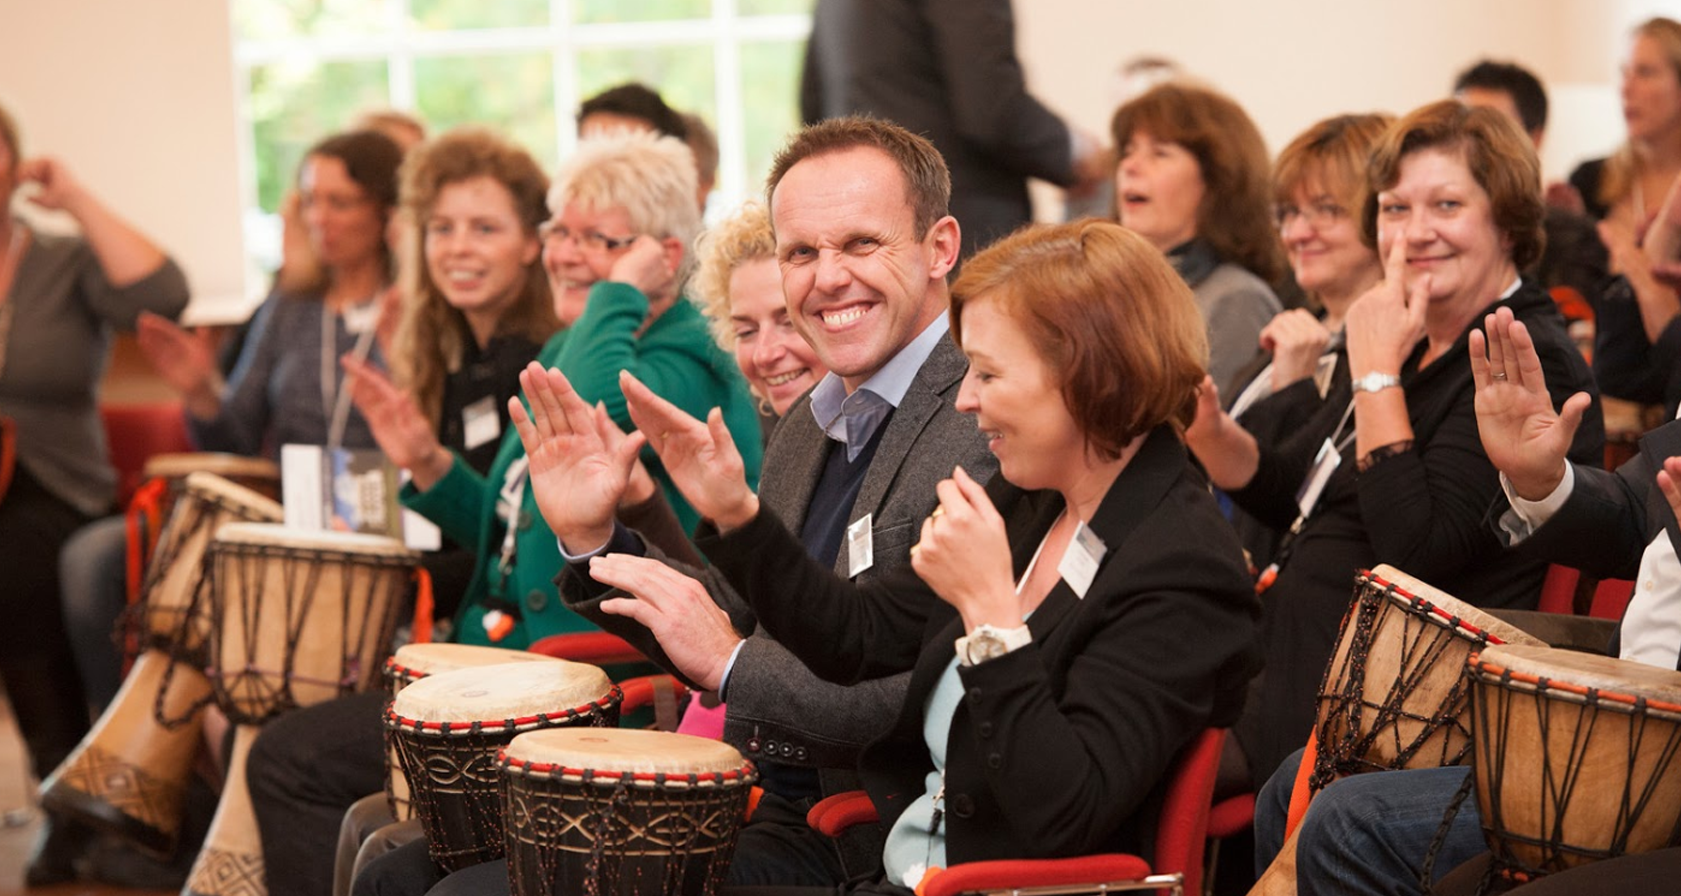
<point>1454,210</point>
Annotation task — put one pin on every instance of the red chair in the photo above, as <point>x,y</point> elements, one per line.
<point>1610,598</point>
<point>1181,836</point>
<point>135,432</point>
<point>596,648</point>
<point>1558,589</point>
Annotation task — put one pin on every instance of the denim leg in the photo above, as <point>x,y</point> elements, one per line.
<point>1272,810</point>
<point>93,569</point>
<point>1369,834</point>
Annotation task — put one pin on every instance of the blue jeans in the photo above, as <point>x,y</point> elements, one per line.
<point>1369,834</point>
<point>93,570</point>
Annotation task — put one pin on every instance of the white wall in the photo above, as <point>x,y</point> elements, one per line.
<point>139,96</point>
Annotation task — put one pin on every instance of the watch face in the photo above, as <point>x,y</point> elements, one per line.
<point>985,646</point>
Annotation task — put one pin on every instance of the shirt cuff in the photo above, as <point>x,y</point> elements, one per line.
<point>623,541</point>
<point>724,680</point>
<point>1013,639</point>
<point>1526,516</point>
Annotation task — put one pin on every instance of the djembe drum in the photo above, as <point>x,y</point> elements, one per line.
<point>130,773</point>
<point>1394,694</point>
<point>1576,757</point>
<point>413,662</point>
<point>448,727</point>
<point>296,618</point>
<point>623,812</point>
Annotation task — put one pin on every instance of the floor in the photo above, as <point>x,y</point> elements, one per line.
<point>19,821</point>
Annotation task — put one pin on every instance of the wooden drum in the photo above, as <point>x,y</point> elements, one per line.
<point>621,812</point>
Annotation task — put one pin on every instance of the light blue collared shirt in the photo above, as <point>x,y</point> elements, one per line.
<point>853,419</point>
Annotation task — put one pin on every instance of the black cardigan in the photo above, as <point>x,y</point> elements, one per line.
<point>1058,748</point>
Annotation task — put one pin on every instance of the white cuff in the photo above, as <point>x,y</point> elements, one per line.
<point>1526,516</point>
<point>724,680</point>
<point>992,636</point>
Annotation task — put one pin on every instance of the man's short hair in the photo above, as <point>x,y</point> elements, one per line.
<point>927,180</point>
<point>1515,81</point>
<point>638,101</point>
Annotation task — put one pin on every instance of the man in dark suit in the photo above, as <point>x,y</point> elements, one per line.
<point>859,207</point>
<point>947,69</point>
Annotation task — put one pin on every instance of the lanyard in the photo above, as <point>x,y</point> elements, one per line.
<point>1308,497</point>
<point>508,501</point>
<point>335,399</point>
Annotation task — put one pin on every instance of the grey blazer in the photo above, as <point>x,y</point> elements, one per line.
<point>777,709</point>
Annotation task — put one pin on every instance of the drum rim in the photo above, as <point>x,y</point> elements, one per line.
<point>1431,611</point>
<point>229,463</point>
<point>1490,673</point>
<point>219,491</point>
<point>394,667</point>
<point>234,538</point>
<point>745,774</point>
<point>467,728</point>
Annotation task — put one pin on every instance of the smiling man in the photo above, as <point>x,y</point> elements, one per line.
<point>864,242</point>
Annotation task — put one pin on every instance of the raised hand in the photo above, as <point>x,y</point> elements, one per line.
<point>402,431</point>
<point>580,461</point>
<point>1296,339</point>
<point>1521,434</point>
<point>695,633</point>
<point>701,458</point>
<point>1227,451</point>
<point>964,555</point>
<point>1385,323</point>
<point>1669,482</point>
<point>56,188</point>
<point>187,361</point>
<point>647,266</point>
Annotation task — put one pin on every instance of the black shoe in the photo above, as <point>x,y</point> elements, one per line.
<point>60,843</point>
<point>113,861</point>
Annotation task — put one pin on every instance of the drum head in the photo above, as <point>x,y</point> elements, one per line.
<point>620,750</point>
<point>1449,607</point>
<point>421,660</point>
<point>1608,675</point>
<point>231,466</point>
<point>213,489</point>
<point>235,536</point>
<point>500,692</point>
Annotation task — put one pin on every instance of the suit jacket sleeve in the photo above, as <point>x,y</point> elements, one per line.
<point>975,42</point>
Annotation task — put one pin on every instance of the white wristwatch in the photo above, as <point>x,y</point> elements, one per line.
<point>1376,382</point>
<point>989,642</point>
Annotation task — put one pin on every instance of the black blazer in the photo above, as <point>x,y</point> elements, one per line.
<point>1058,748</point>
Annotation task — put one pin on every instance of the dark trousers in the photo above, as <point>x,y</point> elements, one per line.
<point>36,662</point>
<point>305,770</point>
<point>1650,872</point>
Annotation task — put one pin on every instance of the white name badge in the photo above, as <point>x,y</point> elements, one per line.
<point>1079,562</point>
<point>1324,464</point>
<point>361,318</point>
<point>860,545</point>
<point>480,424</point>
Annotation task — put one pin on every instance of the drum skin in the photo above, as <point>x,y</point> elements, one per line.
<point>624,812</point>
<point>447,729</point>
<point>1576,757</point>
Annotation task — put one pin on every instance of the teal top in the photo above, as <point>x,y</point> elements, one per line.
<point>678,360</point>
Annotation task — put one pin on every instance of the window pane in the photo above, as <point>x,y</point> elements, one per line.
<point>772,7</point>
<point>590,12</point>
<point>770,85</point>
<point>444,15</point>
<point>512,93</point>
<point>682,74</point>
<point>294,104</point>
<point>273,19</point>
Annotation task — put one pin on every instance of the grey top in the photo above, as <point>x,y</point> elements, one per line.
<point>1235,304</point>
<point>274,394</point>
<point>63,316</point>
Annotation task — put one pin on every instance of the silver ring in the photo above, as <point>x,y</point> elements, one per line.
<point>1500,376</point>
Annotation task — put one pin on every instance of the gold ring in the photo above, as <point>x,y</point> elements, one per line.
<point>937,511</point>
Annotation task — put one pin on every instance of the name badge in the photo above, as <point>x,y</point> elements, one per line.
<point>1324,464</point>
<point>1079,563</point>
<point>480,423</point>
<point>860,545</point>
<point>361,318</point>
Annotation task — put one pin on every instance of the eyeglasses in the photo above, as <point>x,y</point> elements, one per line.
<point>1318,215</point>
<point>593,241</point>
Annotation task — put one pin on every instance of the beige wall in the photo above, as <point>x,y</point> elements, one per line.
<point>139,96</point>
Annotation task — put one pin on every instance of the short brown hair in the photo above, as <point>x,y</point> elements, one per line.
<point>1498,154</point>
<point>432,336</point>
<point>1108,314</point>
<point>927,180</point>
<point>1235,216</point>
<point>1332,153</point>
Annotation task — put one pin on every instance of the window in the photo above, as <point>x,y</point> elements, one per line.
<point>306,68</point>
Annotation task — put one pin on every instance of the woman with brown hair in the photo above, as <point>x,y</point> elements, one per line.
<point>1193,180</point>
<point>1085,350</point>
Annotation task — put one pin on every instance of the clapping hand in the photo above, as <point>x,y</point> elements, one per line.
<point>581,462</point>
<point>701,458</point>
<point>1521,434</point>
<point>964,555</point>
<point>402,431</point>
<point>695,634</point>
